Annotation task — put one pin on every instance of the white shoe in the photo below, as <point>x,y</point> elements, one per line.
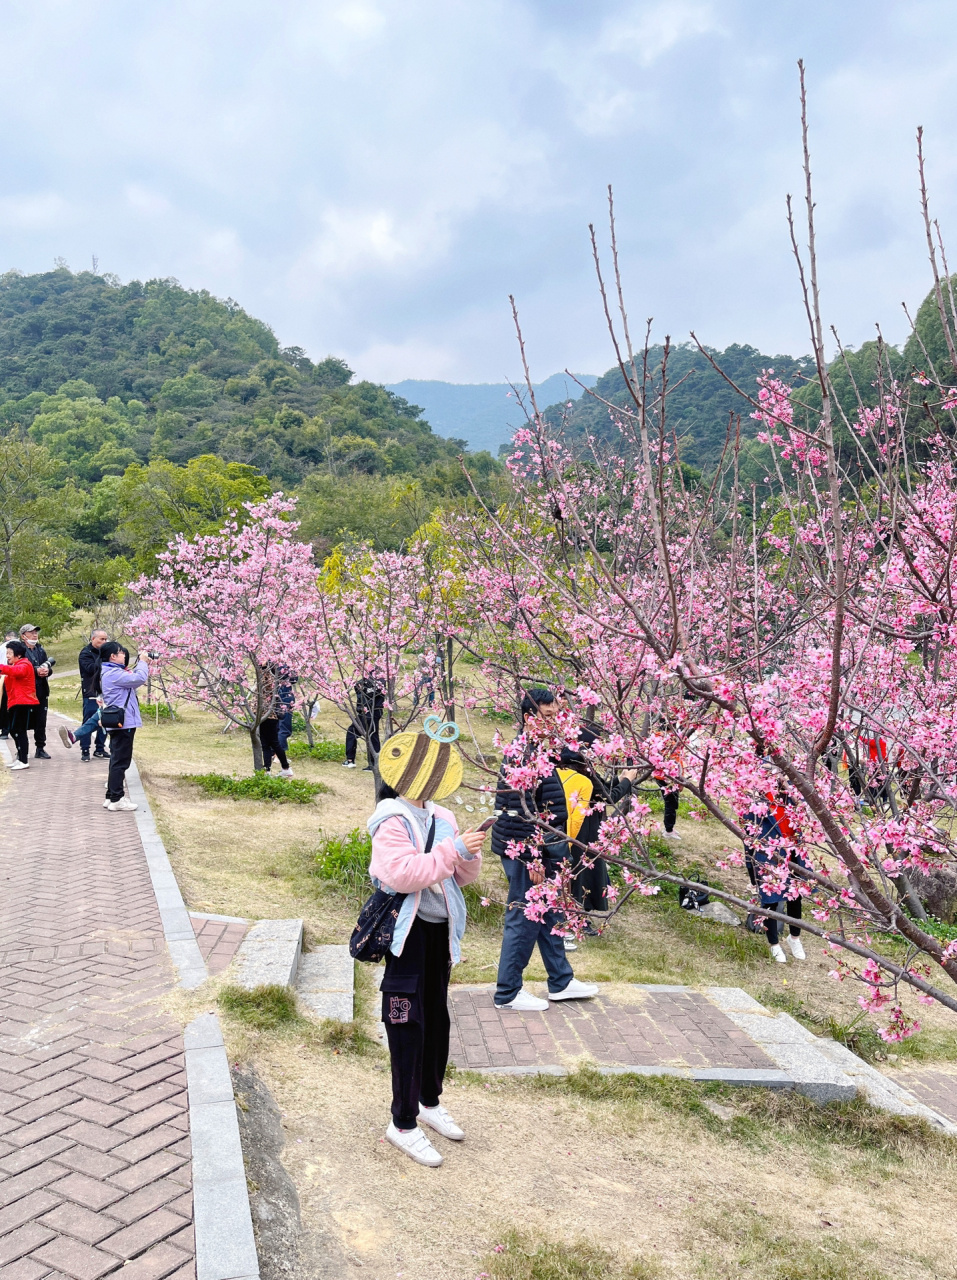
<point>670,835</point>
<point>285,773</point>
<point>525,1002</point>
<point>438,1118</point>
<point>126,805</point>
<point>570,946</point>
<point>575,991</point>
<point>350,764</point>
<point>797,948</point>
<point>415,1144</point>
<point>777,953</point>
<point>66,737</point>
<point>19,764</point>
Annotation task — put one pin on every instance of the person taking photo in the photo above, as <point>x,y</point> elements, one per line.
<point>118,685</point>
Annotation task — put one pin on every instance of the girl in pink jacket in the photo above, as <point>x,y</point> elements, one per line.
<point>417,851</point>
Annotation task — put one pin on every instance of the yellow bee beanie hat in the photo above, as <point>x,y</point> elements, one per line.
<point>423,766</point>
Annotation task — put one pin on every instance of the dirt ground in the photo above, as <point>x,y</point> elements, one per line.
<point>641,1178</point>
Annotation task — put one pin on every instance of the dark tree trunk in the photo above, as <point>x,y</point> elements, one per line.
<point>257,749</point>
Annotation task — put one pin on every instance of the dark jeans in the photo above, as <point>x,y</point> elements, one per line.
<point>90,706</point>
<point>355,732</point>
<point>671,808</point>
<point>19,722</point>
<point>793,907</point>
<point>269,737</point>
<point>285,729</point>
<point>121,757</point>
<point>38,724</point>
<point>415,1010</point>
<point>4,713</point>
<point>521,935</point>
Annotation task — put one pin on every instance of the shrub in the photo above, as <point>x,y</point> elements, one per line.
<point>148,711</point>
<point>320,750</point>
<point>345,861</point>
<point>264,1008</point>
<point>261,786</point>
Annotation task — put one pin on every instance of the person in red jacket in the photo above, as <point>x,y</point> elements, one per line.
<point>20,685</point>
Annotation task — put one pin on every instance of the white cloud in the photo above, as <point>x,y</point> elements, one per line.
<point>40,212</point>
<point>647,32</point>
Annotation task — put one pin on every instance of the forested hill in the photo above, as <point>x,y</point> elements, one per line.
<point>699,401</point>
<point>107,374</point>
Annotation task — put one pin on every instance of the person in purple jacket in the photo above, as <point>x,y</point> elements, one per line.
<point>118,685</point>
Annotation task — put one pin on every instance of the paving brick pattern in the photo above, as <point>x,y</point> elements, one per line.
<point>663,1028</point>
<point>938,1089</point>
<point>94,1142</point>
<point>218,940</point>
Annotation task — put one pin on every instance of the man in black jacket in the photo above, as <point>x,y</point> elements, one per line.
<point>370,702</point>
<point>89,664</point>
<point>513,827</point>
<point>42,667</point>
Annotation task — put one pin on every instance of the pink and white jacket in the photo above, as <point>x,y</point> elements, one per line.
<point>400,865</point>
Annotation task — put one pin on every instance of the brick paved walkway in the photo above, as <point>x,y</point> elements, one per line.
<point>218,939</point>
<point>936,1088</point>
<point>662,1028</point>
<point>94,1148</point>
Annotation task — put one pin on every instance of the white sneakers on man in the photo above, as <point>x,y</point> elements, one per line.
<point>777,953</point>
<point>19,764</point>
<point>438,1118</point>
<point>285,773</point>
<point>125,805</point>
<point>575,991</point>
<point>797,948</point>
<point>525,1002</point>
<point>415,1144</point>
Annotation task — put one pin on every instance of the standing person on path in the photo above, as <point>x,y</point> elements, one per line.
<point>513,827</point>
<point>370,701</point>
<point>89,664</point>
<point>119,685</point>
<point>417,851</point>
<point>762,864</point>
<point>19,685</point>
<point>285,703</point>
<point>269,727</point>
<point>4,713</point>
<point>42,667</point>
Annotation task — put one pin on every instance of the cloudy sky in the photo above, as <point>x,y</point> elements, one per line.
<point>374,177</point>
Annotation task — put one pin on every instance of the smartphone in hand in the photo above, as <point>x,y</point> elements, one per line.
<point>486,825</point>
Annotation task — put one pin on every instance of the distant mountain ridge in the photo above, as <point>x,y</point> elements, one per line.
<point>483,413</point>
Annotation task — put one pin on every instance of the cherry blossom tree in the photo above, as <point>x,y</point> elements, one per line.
<point>752,644</point>
<point>224,609</point>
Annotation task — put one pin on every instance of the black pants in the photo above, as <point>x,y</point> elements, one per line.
<point>4,713</point>
<point>19,722</point>
<point>269,737</point>
<point>121,757</point>
<point>38,723</point>
<point>415,1010</point>
<point>793,906</point>
<point>357,731</point>
<point>671,808</point>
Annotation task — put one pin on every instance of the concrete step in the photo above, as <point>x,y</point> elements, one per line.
<point>325,983</point>
<point>269,955</point>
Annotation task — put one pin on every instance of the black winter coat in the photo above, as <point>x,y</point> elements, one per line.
<point>89,664</point>
<point>38,657</point>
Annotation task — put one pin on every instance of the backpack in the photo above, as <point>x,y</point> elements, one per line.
<point>578,788</point>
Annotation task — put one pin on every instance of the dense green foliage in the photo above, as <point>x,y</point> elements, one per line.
<point>133,412</point>
<point>261,786</point>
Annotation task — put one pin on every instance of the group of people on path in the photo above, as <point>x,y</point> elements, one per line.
<point>108,685</point>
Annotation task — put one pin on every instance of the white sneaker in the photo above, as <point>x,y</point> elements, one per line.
<point>19,764</point>
<point>350,764</point>
<point>575,991</point>
<point>285,773</point>
<point>415,1144</point>
<point>438,1118</point>
<point>570,946</point>
<point>66,737</point>
<point>126,805</point>
<point>525,1002</point>
<point>777,953</point>
<point>670,835</point>
<point>797,948</point>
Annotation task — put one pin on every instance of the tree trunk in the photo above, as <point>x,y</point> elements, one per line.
<point>307,710</point>
<point>257,749</point>
<point>450,681</point>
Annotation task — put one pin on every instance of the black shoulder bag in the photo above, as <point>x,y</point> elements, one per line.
<point>372,936</point>
<point>111,717</point>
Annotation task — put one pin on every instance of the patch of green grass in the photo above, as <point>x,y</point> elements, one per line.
<point>759,1115</point>
<point>261,786</point>
<point>523,1256</point>
<point>492,913</point>
<point>345,861</point>
<point>321,749</point>
<point>346,1037</point>
<point>264,1008</point>
<point>763,1247</point>
<point>148,711</point>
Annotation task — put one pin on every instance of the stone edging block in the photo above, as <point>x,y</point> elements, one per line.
<point>325,982</point>
<point>269,954</point>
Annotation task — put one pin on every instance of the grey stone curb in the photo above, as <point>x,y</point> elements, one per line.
<point>180,938</point>
<point>269,954</point>
<point>746,1078</point>
<point>225,1244</point>
<point>325,982</point>
<point>206,915</point>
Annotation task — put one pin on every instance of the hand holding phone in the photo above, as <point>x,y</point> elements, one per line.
<point>487,824</point>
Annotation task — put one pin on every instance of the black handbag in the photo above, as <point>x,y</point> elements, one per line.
<point>372,936</point>
<point>111,717</point>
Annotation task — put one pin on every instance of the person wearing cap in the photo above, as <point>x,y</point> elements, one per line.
<point>4,711</point>
<point>417,851</point>
<point>19,684</point>
<point>42,669</point>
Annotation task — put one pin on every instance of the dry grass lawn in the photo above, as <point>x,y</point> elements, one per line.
<point>661,1184</point>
